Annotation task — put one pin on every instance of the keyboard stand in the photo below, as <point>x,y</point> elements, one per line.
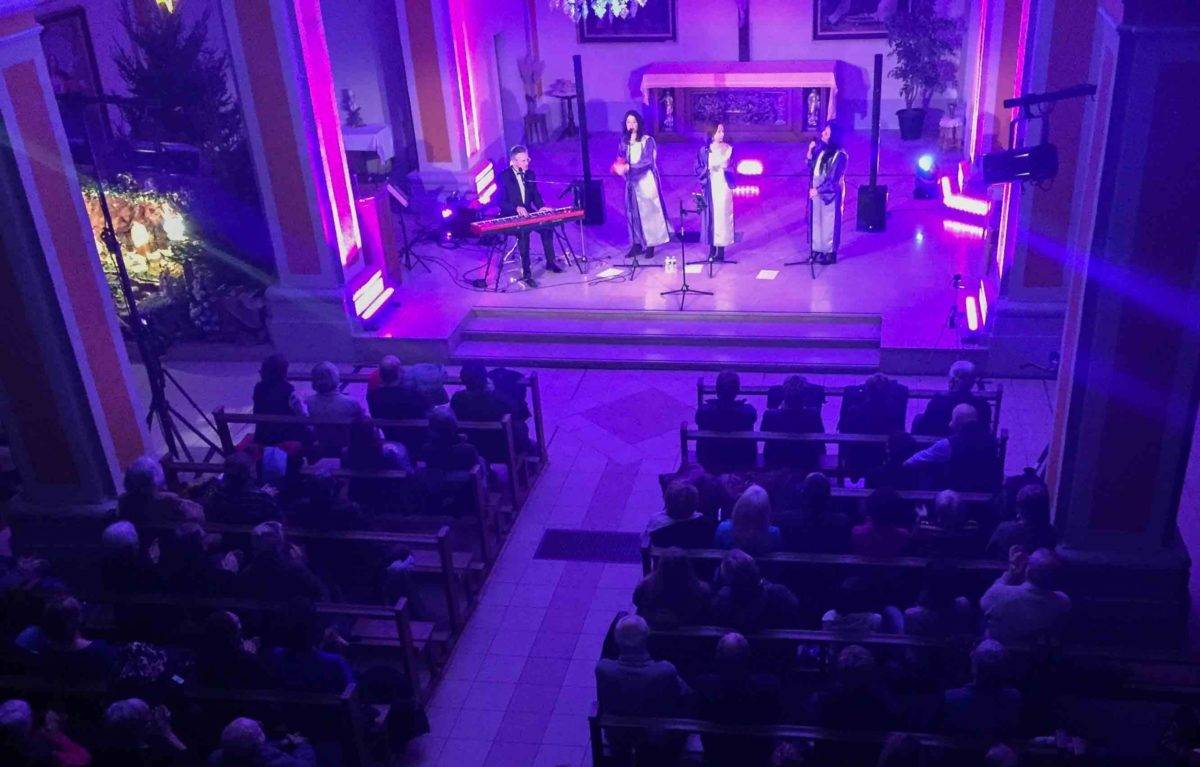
<point>568,251</point>
<point>497,248</point>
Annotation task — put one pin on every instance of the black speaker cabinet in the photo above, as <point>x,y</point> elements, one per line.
<point>872,208</point>
<point>593,203</point>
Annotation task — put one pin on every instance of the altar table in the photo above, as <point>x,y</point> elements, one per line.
<point>756,100</point>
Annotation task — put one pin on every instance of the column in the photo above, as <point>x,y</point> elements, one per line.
<point>285,85</point>
<point>66,394</point>
<point>1130,380</point>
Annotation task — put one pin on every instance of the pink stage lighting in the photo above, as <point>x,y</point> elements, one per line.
<point>750,167</point>
<point>962,202</point>
<point>983,304</point>
<point>745,190</point>
<point>966,230</point>
<point>972,315</point>
<point>447,212</point>
<point>368,294</point>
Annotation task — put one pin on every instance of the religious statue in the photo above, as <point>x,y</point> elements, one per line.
<point>668,105</point>
<point>353,110</point>
<point>812,110</point>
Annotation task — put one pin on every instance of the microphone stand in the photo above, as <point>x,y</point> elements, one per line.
<point>684,290</point>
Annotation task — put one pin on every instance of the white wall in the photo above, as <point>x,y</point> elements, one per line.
<point>354,55</point>
<point>707,30</point>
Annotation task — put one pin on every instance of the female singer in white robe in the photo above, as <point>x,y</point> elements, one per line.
<point>644,206</point>
<point>827,160</point>
<point>712,166</point>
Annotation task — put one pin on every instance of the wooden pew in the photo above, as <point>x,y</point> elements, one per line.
<point>371,626</point>
<point>471,480</point>
<point>431,552</point>
<point>341,712</point>
<point>689,435</point>
<point>815,578</point>
<point>360,375</point>
<point>514,462</point>
<point>598,722</point>
<point>994,396</point>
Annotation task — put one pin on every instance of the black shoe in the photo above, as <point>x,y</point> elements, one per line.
<point>720,254</point>
<point>633,252</point>
<point>529,281</point>
<point>832,258</point>
<point>552,266</point>
<point>649,252</point>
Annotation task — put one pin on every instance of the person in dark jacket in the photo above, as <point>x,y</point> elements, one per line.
<point>967,460</point>
<point>395,399</point>
<point>935,420</point>
<point>275,395</point>
<point>798,414</point>
<point>276,572</point>
<point>747,602</point>
<point>810,524</point>
<point>244,744</point>
<point>672,596</point>
<point>238,500</point>
<point>734,693</point>
<point>225,659</point>
<point>726,413</point>
<point>477,402</point>
<point>1031,530</point>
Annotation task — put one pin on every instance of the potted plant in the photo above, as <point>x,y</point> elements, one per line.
<point>924,45</point>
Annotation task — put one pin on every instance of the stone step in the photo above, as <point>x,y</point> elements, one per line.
<point>698,355</point>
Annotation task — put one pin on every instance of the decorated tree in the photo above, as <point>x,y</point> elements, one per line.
<point>178,84</point>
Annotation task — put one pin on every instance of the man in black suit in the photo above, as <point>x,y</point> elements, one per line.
<point>936,418</point>
<point>519,196</point>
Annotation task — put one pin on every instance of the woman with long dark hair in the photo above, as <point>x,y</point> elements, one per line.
<point>827,161</point>
<point>712,166</point>
<point>644,206</point>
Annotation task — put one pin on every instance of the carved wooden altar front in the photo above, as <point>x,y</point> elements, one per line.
<point>756,100</point>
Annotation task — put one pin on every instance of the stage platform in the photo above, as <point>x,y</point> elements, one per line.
<point>883,306</point>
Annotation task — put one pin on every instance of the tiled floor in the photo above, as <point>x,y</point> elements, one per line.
<point>520,683</point>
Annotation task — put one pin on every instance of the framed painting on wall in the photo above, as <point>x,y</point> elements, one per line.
<point>853,19</point>
<point>653,23</point>
<point>71,62</point>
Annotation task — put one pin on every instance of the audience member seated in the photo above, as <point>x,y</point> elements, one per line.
<point>749,528</point>
<point>368,452</point>
<point>788,754</point>
<point>395,399</point>
<point>275,395</point>
<point>634,684</point>
<point>877,406</point>
<point>300,664</point>
<point>935,420</point>
<point>146,502</point>
<point>447,449</point>
<point>56,649</point>
<point>124,567</point>
<point>939,612</point>
<point>854,611</point>
<point>948,531</point>
<point>276,571</point>
<point>328,401</point>
<point>672,595</point>
<point>22,744</point>
<point>800,413</point>
<point>987,707</point>
<point>1031,529</point>
<point>966,460</point>
<point>244,744</point>
<point>680,523</point>
<point>891,472</point>
<point>1022,605</point>
<point>734,694</point>
<point>477,402</point>
<point>1001,755</point>
<point>225,659</point>
<point>726,413</point>
<point>858,699</point>
<point>237,499</point>
<point>749,603</point>
<point>885,532</point>
<point>135,734</point>
<point>900,749</point>
<point>812,526</point>
<point>190,563</point>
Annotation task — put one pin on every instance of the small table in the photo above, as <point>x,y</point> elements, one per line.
<point>950,134</point>
<point>567,104</point>
<point>362,141</point>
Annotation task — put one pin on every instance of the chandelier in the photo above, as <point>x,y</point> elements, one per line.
<point>578,10</point>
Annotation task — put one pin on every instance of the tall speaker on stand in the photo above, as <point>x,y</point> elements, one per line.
<point>872,198</point>
<point>593,190</point>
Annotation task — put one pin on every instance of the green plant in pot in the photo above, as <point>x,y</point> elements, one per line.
<point>925,46</point>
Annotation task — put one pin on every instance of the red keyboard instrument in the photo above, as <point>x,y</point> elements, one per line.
<point>514,224</point>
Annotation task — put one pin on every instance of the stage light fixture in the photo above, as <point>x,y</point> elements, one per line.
<point>447,212</point>
<point>925,185</point>
<point>1035,163</point>
<point>750,167</point>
